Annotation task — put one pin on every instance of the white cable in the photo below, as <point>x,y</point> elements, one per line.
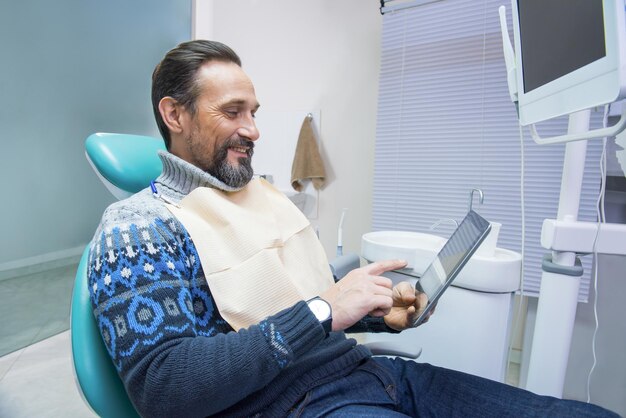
<point>482,96</point>
<point>601,219</point>
<point>605,121</point>
<point>523,215</point>
<point>518,316</point>
<point>522,209</point>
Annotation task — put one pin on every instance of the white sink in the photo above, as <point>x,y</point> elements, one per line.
<point>498,272</point>
<point>416,248</point>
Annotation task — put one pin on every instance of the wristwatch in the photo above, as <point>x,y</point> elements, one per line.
<point>322,311</point>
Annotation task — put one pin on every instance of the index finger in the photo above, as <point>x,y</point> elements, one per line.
<point>379,267</point>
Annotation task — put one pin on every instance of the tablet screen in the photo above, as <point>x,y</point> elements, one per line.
<point>461,245</point>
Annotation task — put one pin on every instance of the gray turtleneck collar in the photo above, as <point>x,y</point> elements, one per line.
<point>179,178</point>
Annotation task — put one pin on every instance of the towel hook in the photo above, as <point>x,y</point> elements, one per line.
<point>481,197</point>
<point>309,116</point>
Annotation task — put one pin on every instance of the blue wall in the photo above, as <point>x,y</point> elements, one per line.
<point>69,68</point>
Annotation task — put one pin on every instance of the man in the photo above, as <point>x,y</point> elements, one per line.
<point>200,302</point>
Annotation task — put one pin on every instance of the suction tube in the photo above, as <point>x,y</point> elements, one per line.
<point>340,233</point>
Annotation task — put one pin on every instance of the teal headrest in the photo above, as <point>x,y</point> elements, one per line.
<point>128,162</point>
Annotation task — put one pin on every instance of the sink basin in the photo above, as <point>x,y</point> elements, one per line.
<point>416,248</point>
<point>497,272</point>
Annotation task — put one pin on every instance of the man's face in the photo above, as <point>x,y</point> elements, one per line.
<point>219,137</point>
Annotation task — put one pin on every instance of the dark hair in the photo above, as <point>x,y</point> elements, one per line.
<point>175,75</point>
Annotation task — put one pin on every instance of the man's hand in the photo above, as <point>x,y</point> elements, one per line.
<point>407,307</point>
<point>362,291</point>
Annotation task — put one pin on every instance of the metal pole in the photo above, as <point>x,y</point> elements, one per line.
<point>558,295</point>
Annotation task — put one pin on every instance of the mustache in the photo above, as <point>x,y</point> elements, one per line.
<point>241,142</point>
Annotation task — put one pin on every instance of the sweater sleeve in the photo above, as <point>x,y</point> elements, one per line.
<point>173,351</point>
<point>371,324</point>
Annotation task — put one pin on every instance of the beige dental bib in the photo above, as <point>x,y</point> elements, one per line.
<point>259,253</point>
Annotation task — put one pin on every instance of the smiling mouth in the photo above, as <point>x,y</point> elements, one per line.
<point>239,149</point>
<point>243,150</point>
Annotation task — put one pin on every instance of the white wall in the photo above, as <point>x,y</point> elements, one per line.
<point>314,55</point>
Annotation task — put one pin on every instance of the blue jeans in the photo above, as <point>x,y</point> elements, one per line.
<point>383,387</point>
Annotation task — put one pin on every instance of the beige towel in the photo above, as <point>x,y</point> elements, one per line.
<point>307,162</point>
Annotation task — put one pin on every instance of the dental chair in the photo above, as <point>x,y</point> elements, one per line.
<point>126,164</point>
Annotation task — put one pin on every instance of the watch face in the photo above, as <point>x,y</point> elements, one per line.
<point>320,308</point>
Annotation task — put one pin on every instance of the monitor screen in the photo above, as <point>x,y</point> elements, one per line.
<point>570,55</point>
<point>558,37</point>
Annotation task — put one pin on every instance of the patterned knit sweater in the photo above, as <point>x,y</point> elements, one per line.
<point>174,352</point>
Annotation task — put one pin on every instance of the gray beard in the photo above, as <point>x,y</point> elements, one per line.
<point>235,177</point>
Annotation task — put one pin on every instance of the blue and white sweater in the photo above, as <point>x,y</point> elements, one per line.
<point>174,352</point>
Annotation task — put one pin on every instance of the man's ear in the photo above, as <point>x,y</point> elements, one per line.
<point>172,113</point>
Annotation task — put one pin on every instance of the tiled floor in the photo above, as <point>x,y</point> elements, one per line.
<point>38,381</point>
<point>34,307</point>
<point>36,376</point>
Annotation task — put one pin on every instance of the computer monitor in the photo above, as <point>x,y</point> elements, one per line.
<point>570,55</point>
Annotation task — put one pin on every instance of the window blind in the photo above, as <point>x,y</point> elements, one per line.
<point>446,125</point>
